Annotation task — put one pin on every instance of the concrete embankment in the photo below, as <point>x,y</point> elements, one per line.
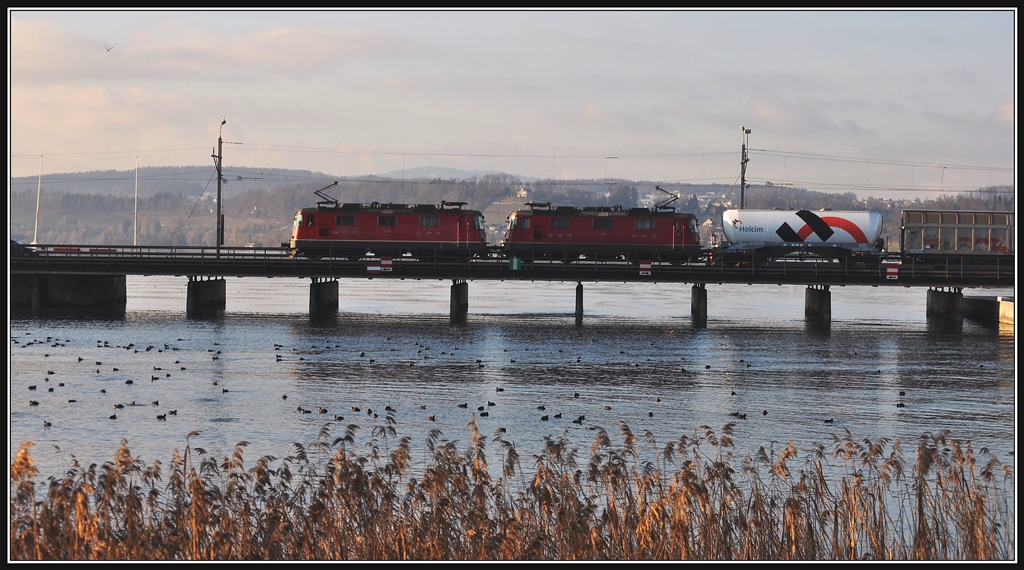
<point>989,309</point>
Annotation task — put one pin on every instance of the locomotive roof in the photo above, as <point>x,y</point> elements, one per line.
<point>379,208</point>
<point>599,211</point>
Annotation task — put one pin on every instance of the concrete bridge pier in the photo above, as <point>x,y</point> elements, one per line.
<point>39,293</point>
<point>699,304</point>
<point>579,303</point>
<point>818,303</point>
<point>459,302</point>
<point>205,296</point>
<point>323,297</point>
<point>946,305</point>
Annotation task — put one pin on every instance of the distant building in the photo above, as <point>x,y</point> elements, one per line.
<point>497,213</point>
<point>707,233</point>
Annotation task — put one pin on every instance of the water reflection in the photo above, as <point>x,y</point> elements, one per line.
<point>649,364</point>
<point>115,313</point>
<point>944,326</point>
<point>817,327</point>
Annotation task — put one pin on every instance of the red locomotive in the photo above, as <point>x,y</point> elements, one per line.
<point>353,231</point>
<point>602,233</point>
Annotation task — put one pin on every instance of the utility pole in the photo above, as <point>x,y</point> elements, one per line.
<point>743,168</point>
<point>135,240</point>
<point>39,190</point>
<point>217,159</point>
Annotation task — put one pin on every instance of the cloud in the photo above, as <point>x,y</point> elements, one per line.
<point>293,52</point>
<point>42,52</point>
<point>115,118</point>
<point>1004,114</point>
<point>41,49</point>
<point>807,116</point>
<point>636,124</point>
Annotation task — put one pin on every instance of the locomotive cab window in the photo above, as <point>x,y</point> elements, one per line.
<point>387,220</point>
<point>429,221</point>
<point>310,220</point>
<point>645,224</point>
<point>478,222</point>
<point>560,223</point>
<point>602,224</point>
<point>345,221</point>
<point>521,223</point>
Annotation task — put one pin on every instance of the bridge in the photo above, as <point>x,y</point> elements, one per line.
<point>52,276</point>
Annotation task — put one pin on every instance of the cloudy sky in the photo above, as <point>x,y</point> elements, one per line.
<point>865,101</point>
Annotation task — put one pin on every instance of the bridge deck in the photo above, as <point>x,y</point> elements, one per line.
<point>918,270</point>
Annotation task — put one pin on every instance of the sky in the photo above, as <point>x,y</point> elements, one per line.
<point>898,103</point>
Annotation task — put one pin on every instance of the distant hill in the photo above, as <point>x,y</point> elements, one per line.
<point>445,173</point>
<point>152,180</point>
<point>193,180</point>
<point>177,205</point>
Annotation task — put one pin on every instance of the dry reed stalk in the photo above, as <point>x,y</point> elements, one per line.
<point>325,503</point>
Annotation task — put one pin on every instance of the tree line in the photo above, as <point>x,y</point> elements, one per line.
<point>263,216</point>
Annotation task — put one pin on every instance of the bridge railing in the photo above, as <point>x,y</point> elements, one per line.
<point>891,269</point>
<point>181,252</point>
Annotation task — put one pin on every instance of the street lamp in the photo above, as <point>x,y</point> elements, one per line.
<point>135,230</point>
<point>217,159</point>
<point>39,190</point>
<point>743,167</point>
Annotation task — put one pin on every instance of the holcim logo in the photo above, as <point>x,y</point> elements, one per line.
<point>738,224</point>
<point>821,227</point>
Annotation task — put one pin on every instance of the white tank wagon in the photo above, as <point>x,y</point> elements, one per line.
<point>825,232</point>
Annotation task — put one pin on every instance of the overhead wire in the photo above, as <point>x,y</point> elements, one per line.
<point>702,179</point>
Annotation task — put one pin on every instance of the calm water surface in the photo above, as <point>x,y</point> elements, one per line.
<point>637,359</point>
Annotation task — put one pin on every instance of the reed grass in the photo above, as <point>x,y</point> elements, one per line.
<point>693,501</point>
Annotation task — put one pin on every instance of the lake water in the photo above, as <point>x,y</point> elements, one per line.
<point>638,358</point>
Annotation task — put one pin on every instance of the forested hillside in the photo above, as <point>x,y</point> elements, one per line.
<point>178,206</point>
